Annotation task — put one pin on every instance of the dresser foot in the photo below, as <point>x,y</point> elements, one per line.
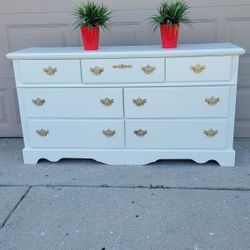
<point>223,158</point>
<point>228,161</point>
<point>30,158</point>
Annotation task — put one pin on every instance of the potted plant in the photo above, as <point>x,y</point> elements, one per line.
<point>90,17</point>
<point>169,17</point>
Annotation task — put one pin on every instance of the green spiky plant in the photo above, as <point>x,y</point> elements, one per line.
<point>171,13</point>
<point>92,15</point>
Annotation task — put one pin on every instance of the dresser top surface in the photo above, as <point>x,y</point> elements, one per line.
<point>127,51</point>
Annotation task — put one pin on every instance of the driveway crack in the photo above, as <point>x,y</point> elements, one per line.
<point>14,208</point>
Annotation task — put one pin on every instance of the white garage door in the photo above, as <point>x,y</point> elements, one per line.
<point>25,23</point>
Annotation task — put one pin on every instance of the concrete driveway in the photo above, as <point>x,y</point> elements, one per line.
<point>85,205</point>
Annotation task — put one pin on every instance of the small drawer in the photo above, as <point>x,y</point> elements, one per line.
<point>73,102</point>
<point>76,133</point>
<point>50,71</point>
<point>199,69</point>
<point>176,134</point>
<point>123,70</point>
<point>177,102</point>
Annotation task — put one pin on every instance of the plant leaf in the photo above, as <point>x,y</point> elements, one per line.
<point>91,14</point>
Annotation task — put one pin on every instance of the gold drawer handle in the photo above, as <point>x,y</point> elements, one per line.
<point>210,132</point>
<point>50,70</point>
<point>212,100</point>
<point>148,69</point>
<point>96,70</point>
<point>140,132</point>
<point>123,66</point>
<point>42,132</point>
<point>109,132</point>
<point>198,68</point>
<point>139,102</point>
<point>39,102</point>
<point>107,102</point>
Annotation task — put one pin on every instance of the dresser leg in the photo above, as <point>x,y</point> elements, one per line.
<point>227,163</point>
<point>30,157</point>
<point>226,160</point>
<point>223,158</point>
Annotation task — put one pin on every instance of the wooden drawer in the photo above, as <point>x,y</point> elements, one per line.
<point>176,134</point>
<point>123,70</point>
<point>174,102</point>
<point>50,71</point>
<point>76,133</point>
<point>73,102</point>
<point>199,69</point>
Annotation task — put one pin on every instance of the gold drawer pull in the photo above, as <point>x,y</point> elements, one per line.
<point>107,102</point>
<point>148,69</point>
<point>97,70</point>
<point>50,70</point>
<point>42,132</point>
<point>210,132</point>
<point>109,132</point>
<point>198,68</point>
<point>140,132</point>
<point>212,100</point>
<point>38,101</point>
<point>123,66</point>
<point>139,102</point>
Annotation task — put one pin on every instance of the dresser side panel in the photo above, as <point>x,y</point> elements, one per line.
<point>20,98</point>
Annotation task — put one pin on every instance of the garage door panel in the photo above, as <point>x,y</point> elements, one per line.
<point>25,23</point>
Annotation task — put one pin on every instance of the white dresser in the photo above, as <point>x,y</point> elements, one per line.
<point>128,105</point>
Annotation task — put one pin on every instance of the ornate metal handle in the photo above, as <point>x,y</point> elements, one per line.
<point>50,70</point>
<point>139,102</point>
<point>42,132</point>
<point>140,132</point>
<point>122,66</point>
<point>198,68</point>
<point>148,69</point>
<point>109,132</point>
<point>210,132</point>
<point>38,101</point>
<point>107,101</point>
<point>212,100</point>
<point>96,70</point>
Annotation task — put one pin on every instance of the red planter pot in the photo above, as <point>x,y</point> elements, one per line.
<point>169,35</point>
<point>90,37</point>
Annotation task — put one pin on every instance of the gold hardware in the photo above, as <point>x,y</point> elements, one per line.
<point>210,132</point>
<point>140,132</point>
<point>109,132</point>
<point>123,66</point>
<point>42,132</point>
<point>107,101</point>
<point>38,101</point>
<point>148,69</point>
<point>97,70</point>
<point>50,70</point>
<point>198,68</point>
<point>139,102</point>
<point>212,100</point>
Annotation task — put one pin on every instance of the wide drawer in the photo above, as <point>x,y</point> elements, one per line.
<point>76,133</point>
<point>176,102</point>
<point>73,103</point>
<point>176,134</point>
<point>50,71</point>
<point>123,70</point>
<point>193,69</point>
